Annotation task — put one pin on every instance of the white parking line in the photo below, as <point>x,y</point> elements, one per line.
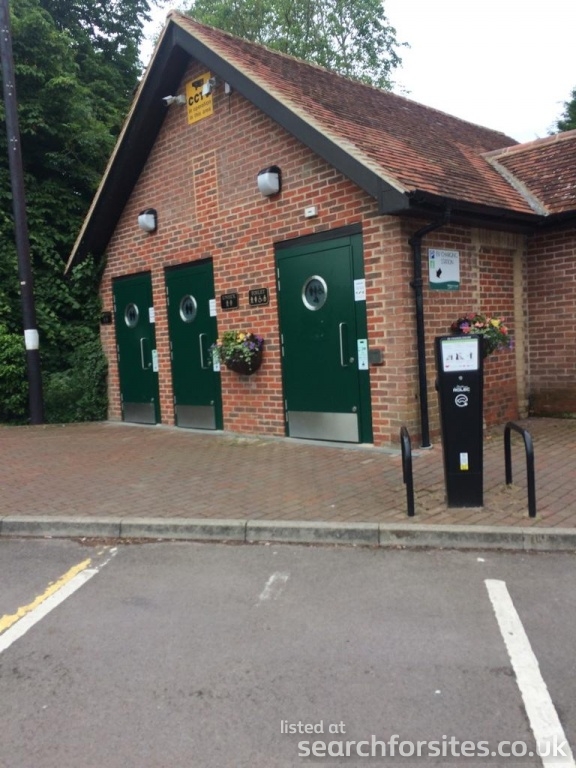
<point>274,586</point>
<point>16,625</point>
<point>541,712</point>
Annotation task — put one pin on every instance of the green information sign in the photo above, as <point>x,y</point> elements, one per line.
<point>444,270</point>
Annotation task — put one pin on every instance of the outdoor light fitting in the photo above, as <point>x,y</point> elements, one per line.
<point>148,220</point>
<point>270,181</point>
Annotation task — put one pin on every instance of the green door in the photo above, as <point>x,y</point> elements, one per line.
<point>192,326</point>
<point>136,346</point>
<point>324,346</point>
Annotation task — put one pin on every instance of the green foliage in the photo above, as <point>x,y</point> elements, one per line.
<point>106,35</point>
<point>568,120</point>
<point>13,386</point>
<point>351,38</point>
<point>79,392</point>
<point>76,68</point>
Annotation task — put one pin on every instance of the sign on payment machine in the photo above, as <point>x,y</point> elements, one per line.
<point>460,391</point>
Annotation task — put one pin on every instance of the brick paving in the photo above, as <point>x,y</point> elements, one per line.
<point>113,469</point>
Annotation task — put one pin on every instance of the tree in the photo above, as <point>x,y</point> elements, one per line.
<point>76,67</point>
<point>351,38</point>
<point>568,120</point>
<point>106,36</point>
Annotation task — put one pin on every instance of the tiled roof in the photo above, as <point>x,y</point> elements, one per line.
<point>545,168</point>
<point>409,157</point>
<point>413,146</point>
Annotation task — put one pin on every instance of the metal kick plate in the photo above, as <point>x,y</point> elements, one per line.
<point>196,416</point>
<point>139,413</point>
<point>339,427</point>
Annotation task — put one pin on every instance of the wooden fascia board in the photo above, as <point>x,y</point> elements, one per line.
<point>564,220</point>
<point>463,211</point>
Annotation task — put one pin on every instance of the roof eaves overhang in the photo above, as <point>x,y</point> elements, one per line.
<point>562,220</point>
<point>132,149</point>
<point>426,204</point>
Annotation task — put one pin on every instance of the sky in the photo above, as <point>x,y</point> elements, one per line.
<point>506,64</point>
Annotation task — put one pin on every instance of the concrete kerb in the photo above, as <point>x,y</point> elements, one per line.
<point>452,536</point>
<point>182,528</point>
<point>410,535</point>
<point>59,526</point>
<point>313,533</point>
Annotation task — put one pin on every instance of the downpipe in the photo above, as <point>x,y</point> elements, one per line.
<point>417,284</point>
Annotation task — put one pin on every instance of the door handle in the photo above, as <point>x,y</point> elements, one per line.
<point>201,337</point>
<point>145,366</point>
<point>341,328</point>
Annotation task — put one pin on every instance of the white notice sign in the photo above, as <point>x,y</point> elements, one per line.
<point>362,354</point>
<point>360,290</point>
<point>460,353</point>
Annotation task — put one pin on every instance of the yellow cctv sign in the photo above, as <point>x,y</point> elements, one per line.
<point>199,103</point>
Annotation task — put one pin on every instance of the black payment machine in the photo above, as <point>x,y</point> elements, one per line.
<point>459,366</point>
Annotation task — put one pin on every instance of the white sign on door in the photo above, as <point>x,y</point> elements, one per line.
<point>360,290</point>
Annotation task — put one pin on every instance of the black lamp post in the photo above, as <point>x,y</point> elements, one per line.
<point>20,222</point>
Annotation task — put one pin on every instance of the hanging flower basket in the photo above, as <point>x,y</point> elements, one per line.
<point>243,366</point>
<point>240,351</point>
<point>494,334</point>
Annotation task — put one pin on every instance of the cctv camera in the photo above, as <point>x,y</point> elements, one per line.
<point>180,99</point>
<point>208,86</point>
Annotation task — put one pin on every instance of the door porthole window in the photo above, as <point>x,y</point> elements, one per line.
<point>314,293</point>
<point>131,315</point>
<point>188,308</point>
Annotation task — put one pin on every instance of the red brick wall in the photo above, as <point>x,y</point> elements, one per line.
<point>487,286</point>
<point>551,292</point>
<point>201,178</point>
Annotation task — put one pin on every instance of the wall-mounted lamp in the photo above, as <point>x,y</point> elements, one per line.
<point>148,220</point>
<point>208,86</point>
<point>270,181</point>
<point>180,99</point>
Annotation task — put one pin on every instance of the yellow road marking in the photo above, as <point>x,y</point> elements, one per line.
<point>9,619</point>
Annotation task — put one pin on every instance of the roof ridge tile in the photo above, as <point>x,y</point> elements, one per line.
<point>525,146</point>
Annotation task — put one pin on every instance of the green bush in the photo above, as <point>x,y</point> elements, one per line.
<point>13,382</point>
<point>78,393</point>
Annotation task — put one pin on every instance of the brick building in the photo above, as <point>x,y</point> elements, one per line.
<point>334,269</point>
